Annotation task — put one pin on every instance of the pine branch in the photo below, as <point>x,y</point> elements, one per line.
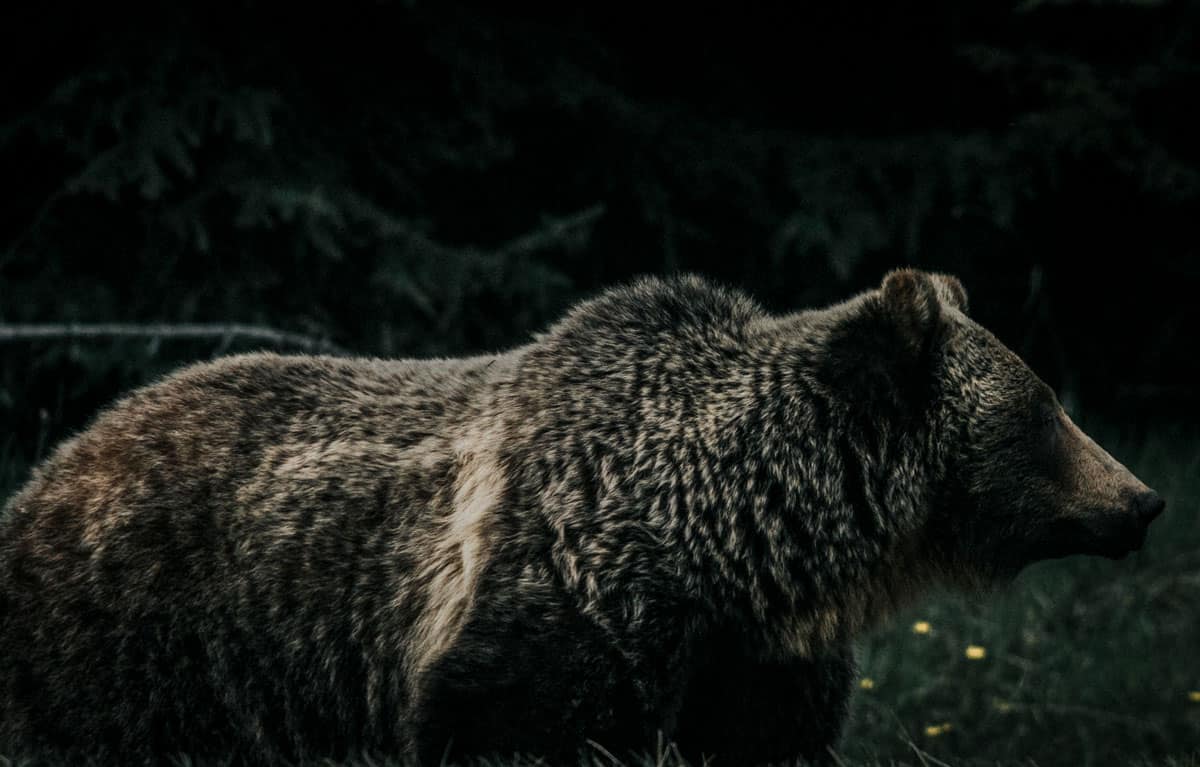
<point>553,232</point>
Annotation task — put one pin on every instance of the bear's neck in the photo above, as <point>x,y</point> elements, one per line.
<point>712,474</point>
<point>807,512</point>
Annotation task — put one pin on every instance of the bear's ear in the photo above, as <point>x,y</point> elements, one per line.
<point>913,306</point>
<point>883,347</point>
<point>951,291</point>
<point>915,303</point>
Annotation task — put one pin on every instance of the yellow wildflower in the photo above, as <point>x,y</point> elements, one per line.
<point>1194,696</point>
<point>867,683</point>
<point>975,652</point>
<point>935,730</point>
<point>1002,706</point>
<point>921,627</point>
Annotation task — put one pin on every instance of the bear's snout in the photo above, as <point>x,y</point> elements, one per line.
<point>1119,533</point>
<point>1120,507</point>
<point>1147,506</point>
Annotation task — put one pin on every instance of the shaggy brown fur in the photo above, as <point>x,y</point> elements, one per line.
<point>669,514</point>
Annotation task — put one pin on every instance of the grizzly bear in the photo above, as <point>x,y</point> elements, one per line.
<point>667,517</point>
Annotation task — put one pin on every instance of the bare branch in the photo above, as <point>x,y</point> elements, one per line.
<point>225,332</point>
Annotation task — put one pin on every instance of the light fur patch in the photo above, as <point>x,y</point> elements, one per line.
<point>457,553</point>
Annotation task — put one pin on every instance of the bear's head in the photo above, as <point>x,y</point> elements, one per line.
<point>1021,482</point>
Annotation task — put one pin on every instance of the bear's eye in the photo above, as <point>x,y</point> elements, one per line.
<point>1048,416</point>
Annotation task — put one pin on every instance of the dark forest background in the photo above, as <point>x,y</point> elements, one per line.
<point>411,178</point>
<point>438,178</point>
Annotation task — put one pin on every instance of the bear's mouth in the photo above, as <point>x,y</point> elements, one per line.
<point>1113,535</point>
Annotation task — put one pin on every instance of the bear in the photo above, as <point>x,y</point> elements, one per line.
<point>664,519</point>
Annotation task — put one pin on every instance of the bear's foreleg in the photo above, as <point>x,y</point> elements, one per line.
<point>742,711</point>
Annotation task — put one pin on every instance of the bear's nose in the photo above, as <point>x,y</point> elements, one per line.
<point>1148,505</point>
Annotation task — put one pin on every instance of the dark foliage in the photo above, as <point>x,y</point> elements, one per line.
<point>430,178</point>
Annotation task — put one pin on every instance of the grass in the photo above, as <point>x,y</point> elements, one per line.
<point>1081,662</point>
